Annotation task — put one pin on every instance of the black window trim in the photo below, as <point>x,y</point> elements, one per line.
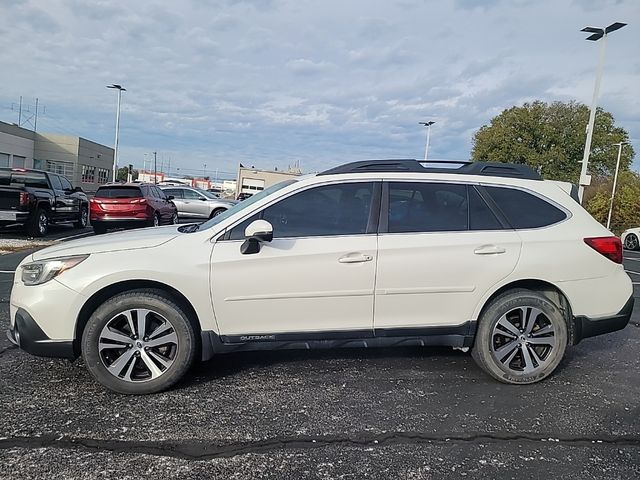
<point>372,222</point>
<point>544,198</point>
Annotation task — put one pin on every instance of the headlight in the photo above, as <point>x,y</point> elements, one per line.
<point>37,273</point>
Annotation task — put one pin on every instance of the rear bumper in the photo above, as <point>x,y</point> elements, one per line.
<point>8,217</point>
<point>585,327</point>
<point>26,334</point>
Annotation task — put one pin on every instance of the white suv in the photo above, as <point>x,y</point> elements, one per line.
<point>381,253</point>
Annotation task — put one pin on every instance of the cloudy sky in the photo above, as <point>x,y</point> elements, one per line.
<point>272,82</point>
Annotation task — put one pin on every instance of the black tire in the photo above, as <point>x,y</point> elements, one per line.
<point>156,301</point>
<point>154,221</point>
<point>38,223</point>
<point>99,229</point>
<point>488,342</point>
<point>174,219</point>
<point>631,242</point>
<point>217,212</point>
<point>83,218</point>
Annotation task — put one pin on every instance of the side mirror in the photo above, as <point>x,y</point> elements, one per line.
<point>78,189</point>
<point>256,232</point>
<point>202,199</point>
<point>170,197</point>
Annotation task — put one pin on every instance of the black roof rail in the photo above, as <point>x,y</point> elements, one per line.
<point>490,169</point>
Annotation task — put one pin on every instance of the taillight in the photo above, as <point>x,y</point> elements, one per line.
<point>610,247</point>
<point>24,198</point>
<point>139,200</point>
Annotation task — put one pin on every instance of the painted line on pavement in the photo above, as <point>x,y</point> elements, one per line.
<point>7,271</point>
<point>631,271</point>
<point>634,259</point>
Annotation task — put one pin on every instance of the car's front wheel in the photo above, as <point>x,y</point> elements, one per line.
<point>521,337</point>
<point>139,342</point>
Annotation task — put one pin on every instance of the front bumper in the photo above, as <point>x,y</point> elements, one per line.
<point>585,327</point>
<point>26,334</point>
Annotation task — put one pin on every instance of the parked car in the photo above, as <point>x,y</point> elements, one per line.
<point>243,196</point>
<point>127,205</point>
<point>630,238</point>
<point>487,257</point>
<point>195,203</point>
<point>35,199</point>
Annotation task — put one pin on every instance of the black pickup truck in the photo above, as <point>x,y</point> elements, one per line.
<point>35,198</point>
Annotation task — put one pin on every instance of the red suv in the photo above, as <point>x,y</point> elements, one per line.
<point>131,205</point>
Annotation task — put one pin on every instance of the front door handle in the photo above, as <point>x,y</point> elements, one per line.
<point>355,258</point>
<point>489,250</point>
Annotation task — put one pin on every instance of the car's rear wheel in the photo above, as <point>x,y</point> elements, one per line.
<point>139,342</point>
<point>83,218</point>
<point>174,218</point>
<point>217,212</point>
<point>631,242</point>
<point>38,224</point>
<point>521,337</point>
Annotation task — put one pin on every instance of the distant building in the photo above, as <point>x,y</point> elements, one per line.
<point>87,164</point>
<point>252,180</point>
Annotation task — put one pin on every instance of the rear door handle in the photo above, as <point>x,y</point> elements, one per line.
<point>355,258</point>
<point>489,250</point>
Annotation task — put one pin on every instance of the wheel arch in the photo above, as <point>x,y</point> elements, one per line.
<point>101,296</point>
<point>551,291</point>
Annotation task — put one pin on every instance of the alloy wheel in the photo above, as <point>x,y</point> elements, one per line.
<point>43,223</point>
<point>138,345</point>
<point>84,217</point>
<point>523,340</point>
<point>631,242</point>
<point>156,220</point>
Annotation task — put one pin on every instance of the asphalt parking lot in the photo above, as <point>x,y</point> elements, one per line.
<point>389,413</point>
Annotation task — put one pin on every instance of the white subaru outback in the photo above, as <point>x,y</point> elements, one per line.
<point>487,257</point>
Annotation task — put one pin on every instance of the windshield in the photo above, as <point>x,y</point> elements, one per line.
<point>245,203</point>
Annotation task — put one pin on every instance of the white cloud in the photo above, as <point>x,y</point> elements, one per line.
<point>273,81</point>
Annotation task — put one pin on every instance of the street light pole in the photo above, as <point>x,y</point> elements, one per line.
<point>596,34</point>
<point>426,148</point>
<point>120,89</point>
<point>155,167</point>
<point>615,181</point>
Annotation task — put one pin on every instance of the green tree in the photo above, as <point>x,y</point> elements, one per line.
<point>123,172</point>
<point>550,137</point>
<point>626,207</point>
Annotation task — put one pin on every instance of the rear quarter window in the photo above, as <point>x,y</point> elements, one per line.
<point>525,210</point>
<point>118,192</point>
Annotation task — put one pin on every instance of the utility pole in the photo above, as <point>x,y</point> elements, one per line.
<point>596,34</point>
<point>155,167</point>
<point>35,121</point>
<point>615,181</point>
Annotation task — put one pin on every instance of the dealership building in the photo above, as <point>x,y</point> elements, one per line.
<point>87,164</point>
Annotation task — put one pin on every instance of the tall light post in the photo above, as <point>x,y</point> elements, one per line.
<point>596,34</point>
<point>120,89</point>
<point>426,148</point>
<point>615,181</point>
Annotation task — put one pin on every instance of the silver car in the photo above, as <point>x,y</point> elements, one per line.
<point>195,203</point>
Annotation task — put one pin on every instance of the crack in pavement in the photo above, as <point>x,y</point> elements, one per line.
<point>206,450</point>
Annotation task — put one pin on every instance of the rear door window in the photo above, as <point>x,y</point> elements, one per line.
<point>427,207</point>
<point>525,210</point>
<point>118,192</point>
<point>480,215</point>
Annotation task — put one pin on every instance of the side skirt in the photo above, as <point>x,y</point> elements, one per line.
<point>456,336</point>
